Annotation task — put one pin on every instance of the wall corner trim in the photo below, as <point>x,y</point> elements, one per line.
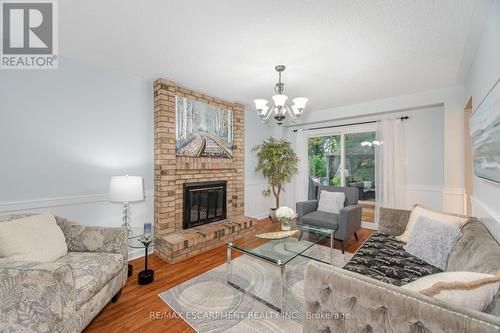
<point>17,206</point>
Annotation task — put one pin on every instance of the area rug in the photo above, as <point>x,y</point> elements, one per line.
<point>208,304</point>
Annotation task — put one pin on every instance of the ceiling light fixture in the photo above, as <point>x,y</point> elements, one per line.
<point>280,108</point>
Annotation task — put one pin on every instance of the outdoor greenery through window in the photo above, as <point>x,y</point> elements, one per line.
<point>345,160</point>
<point>324,160</point>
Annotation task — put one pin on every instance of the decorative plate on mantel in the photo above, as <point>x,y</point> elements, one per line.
<point>277,234</point>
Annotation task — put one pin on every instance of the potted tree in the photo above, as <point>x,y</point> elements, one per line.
<point>278,163</point>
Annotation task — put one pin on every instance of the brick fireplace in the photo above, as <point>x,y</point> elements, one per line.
<point>173,174</point>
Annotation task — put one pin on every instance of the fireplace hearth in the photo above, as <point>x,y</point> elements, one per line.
<point>204,202</point>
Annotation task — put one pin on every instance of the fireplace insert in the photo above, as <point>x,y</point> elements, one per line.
<point>204,203</point>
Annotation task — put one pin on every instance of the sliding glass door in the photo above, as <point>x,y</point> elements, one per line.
<point>345,159</point>
<point>325,160</point>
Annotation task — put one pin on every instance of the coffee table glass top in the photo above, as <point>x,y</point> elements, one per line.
<point>281,251</point>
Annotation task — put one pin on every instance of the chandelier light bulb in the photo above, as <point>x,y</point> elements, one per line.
<point>260,104</point>
<point>280,109</point>
<point>280,100</point>
<point>300,102</point>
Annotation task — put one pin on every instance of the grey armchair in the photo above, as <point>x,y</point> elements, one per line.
<point>344,224</point>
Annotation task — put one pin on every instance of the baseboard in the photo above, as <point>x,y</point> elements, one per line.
<point>369,225</point>
<point>138,253</point>
<point>261,216</point>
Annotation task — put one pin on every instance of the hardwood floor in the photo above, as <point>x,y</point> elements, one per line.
<point>140,309</point>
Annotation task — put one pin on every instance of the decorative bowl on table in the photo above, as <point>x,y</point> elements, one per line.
<point>277,234</point>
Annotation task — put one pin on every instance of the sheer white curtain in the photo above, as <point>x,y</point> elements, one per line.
<point>389,166</point>
<point>301,179</point>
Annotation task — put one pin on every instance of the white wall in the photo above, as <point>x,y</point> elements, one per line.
<point>435,165</point>
<point>65,132</point>
<point>424,156</point>
<point>483,74</point>
<point>256,204</point>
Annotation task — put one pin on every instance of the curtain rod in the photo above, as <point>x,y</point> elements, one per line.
<point>350,124</point>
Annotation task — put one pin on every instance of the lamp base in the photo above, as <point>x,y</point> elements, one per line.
<point>146,277</point>
<point>126,225</point>
<point>126,218</point>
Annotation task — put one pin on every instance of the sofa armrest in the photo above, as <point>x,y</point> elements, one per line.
<point>337,300</point>
<point>393,221</point>
<point>349,221</point>
<point>306,207</point>
<point>36,297</point>
<point>82,238</point>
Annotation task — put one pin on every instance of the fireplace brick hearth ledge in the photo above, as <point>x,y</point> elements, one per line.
<point>172,242</point>
<point>180,245</point>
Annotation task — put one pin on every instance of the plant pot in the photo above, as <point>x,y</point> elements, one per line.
<point>286,226</point>
<point>272,215</point>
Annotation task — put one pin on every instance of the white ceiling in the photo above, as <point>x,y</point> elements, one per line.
<point>336,52</point>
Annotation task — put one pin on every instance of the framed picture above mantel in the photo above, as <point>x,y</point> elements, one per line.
<point>202,129</point>
<point>485,134</point>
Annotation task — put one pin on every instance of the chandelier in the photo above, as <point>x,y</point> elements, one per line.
<point>280,108</point>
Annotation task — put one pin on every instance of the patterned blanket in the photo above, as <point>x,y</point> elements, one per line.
<point>382,257</point>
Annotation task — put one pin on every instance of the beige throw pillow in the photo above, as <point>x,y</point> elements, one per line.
<point>419,211</point>
<point>331,202</point>
<point>468,290</point>
<point>32,238</point>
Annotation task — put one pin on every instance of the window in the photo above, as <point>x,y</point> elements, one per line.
<point>346,159</point>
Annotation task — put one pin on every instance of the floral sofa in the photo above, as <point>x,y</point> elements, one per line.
<point>65,295</point>
<point>365,295</point>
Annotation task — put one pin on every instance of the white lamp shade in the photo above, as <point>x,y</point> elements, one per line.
<point>280,100</point>
<point>300,102</point>
<point>260,104</point>
<point>263,111</point>
<point>126,188</point>
<point>296,110</point>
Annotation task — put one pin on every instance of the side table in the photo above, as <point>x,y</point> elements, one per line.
<point>147,275</point>
<point>133,235</point>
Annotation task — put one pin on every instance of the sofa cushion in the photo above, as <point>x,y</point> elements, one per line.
<point>351,193</point>
<point>32,238</point>
<point>433,241</point>
<point>92,271</point>
<point>418,211</point>
<point>477,251</point>
<point>322,219</point>
<point>383,258</point>
<point>331,202</point>
<point>468,290</point>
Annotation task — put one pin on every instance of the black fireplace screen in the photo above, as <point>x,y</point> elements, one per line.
<point>204,203</point>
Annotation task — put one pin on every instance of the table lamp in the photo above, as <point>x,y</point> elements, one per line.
<point>126,189</point>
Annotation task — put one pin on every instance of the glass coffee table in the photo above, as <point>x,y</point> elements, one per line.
<point>279,252</point>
